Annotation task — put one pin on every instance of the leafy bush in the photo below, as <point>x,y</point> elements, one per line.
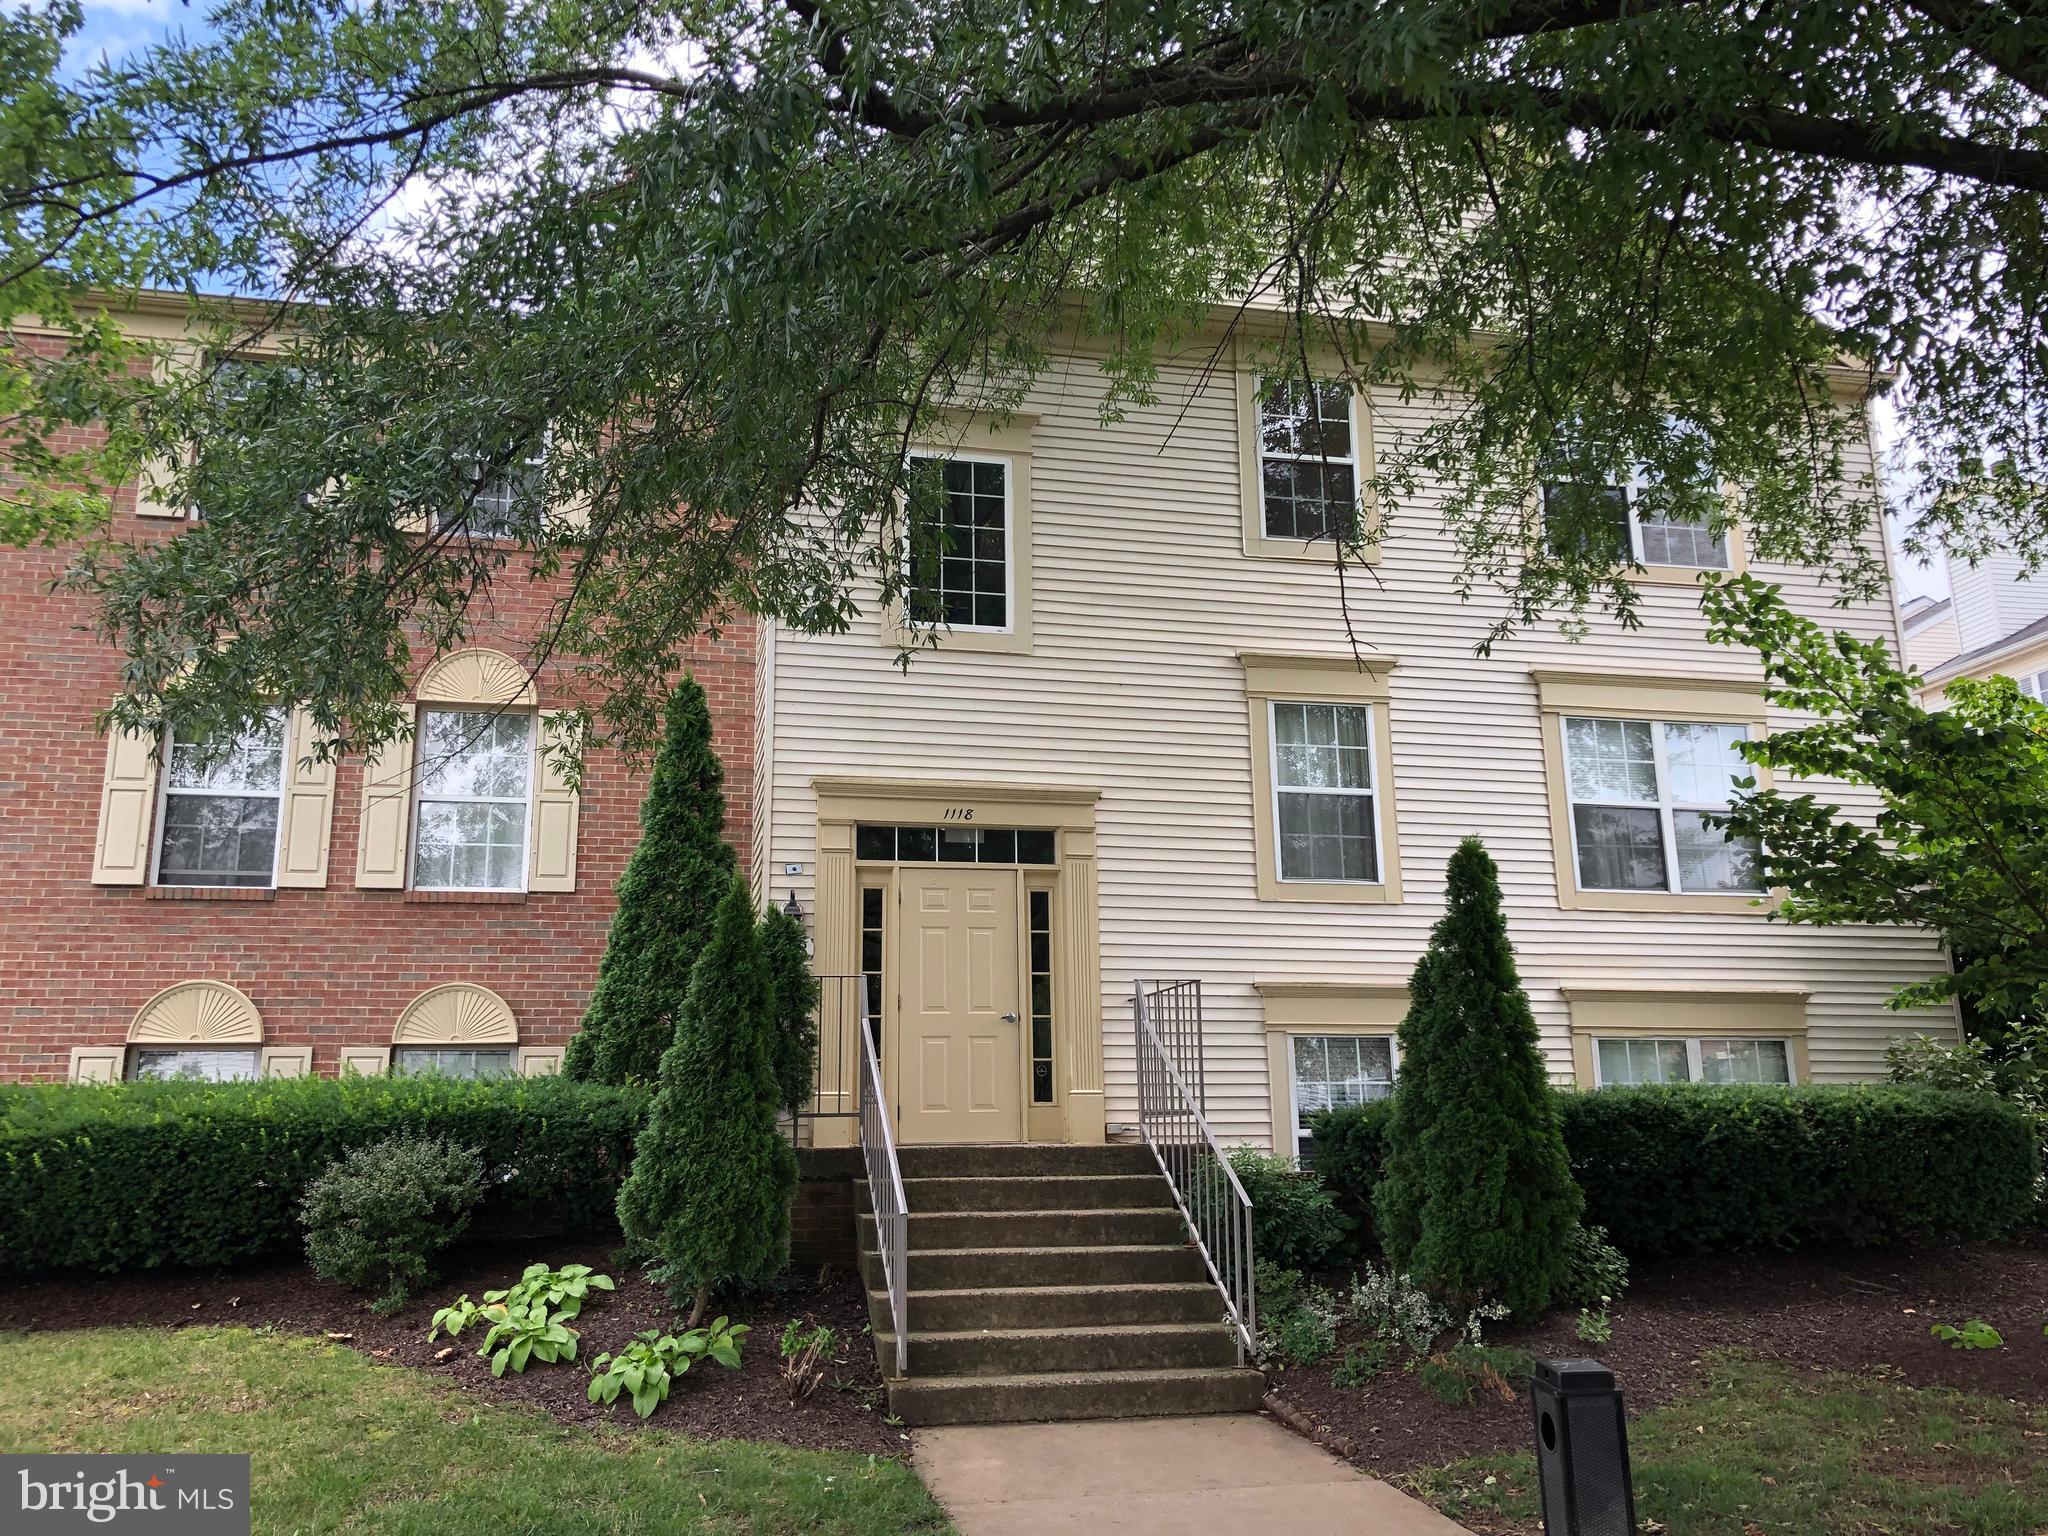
<point>560,1291</point>
<point>2015,1068</point>
<point>1478,1198</point>
<point>1297,1319</point>
<point>806,1349</point>
<point>378,1216</point>
<point>208,1174</point>
<point>1350,1152</point>
<point>1675,1171</point>
<point>1393,1308</point>
<point>713,1176</point>
<point>646,1368</point>
<point>1362,1362</point>
<point>1295,1222</point>
<point>1595,1271</point>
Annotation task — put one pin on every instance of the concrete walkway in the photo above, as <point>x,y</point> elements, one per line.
<point>1225,1475</point>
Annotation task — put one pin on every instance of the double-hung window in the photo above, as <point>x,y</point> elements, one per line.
<point>959,548</point>
<point>503,505</point>
<point>1324,805</point>
<point>220,810</point>
<point>1331,1071</point>
<point>1632,1060</point>
<point>475,796</point>
<point>1640,792</point>
<point>1607,517</point>
<point>1308,460</point>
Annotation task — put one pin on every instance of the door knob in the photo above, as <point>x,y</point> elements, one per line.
<point>1009,1018</point>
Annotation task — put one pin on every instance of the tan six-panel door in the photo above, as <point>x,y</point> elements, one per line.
<point>959,1045</point>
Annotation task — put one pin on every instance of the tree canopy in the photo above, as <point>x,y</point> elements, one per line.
<point>720,257</point>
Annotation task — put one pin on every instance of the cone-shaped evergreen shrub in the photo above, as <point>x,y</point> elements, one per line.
<point>795,992</point>
<point>672,884</point>
<point>712,1177</point>
<point>1478,1197</point>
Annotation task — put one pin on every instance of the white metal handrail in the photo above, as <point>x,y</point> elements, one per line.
<point>885,1191</point>
<point>1205,1187</point>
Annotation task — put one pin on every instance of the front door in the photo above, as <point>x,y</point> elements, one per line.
<point>959,1045</point>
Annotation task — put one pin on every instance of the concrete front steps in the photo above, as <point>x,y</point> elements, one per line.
<point>1050,1283</point>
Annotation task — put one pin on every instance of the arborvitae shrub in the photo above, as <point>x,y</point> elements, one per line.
<point>795,1007</point>
<point>713,1176</point>
<point>1478,1198</point>
<point>675,879</point>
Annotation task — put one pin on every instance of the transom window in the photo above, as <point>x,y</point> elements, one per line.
<point>450,1061</point>
<point>959,555</point>
<point>961,844</point>
<point>1640,793</point>
<point>476,782</point>
<point>1701,1059</point>
<point>196,1064</point>
<point>1308,460</point>
<point>1323,793</point>
<point>220,810</point>
<point>1605,515</point>
<point>1331,1071</point>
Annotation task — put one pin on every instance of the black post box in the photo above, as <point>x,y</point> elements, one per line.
<point>1582,1450</point>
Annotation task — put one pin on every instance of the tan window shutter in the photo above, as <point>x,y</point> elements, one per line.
<point>307,818</point>
<point>127,811</point>
<point>573,514</point>
<point>155,493</point>
<point>387,817</point>
<point>412,520</point>
<point>365,1060</point>
<point>287,1060</point>
<point>557,808</point>
<point>96,1063</point>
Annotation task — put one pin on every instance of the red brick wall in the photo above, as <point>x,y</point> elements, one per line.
<point>326,967</point>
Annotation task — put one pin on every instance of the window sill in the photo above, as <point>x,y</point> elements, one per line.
<point>1670,575</point>
<point>1259,546</point>
<point>209,893</point>
<point>469,898</point>
<point>1377,894</point>
<point>1760,904</point>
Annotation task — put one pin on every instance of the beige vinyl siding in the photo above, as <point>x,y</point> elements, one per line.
<point>1143,598</point>
<point>1931,644</point>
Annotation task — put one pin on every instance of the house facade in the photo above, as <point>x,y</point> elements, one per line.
<point>1996,624</point>
<point>444,907</point>
<point>1145,749</point>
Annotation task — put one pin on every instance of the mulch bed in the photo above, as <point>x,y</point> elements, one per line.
<point>711,1402</point>
<point>1842,1311</point>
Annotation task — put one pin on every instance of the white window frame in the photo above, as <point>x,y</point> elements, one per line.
<point>1630,489</point>
<point>1261,456</point>
<point>536,461</point>
<point>1666,806</point>
<point>1372,791</point>
<point>131,1068</point>
<point>1009,466</point>
<point>509,1051</point>
<point>1293,1084</point>
<point>164,792</point>
<point>420,797</point>
<point>1694,1062</point>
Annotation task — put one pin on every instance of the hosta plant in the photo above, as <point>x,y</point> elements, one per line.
<point>458,1315</point>
<point>520,1334</point>
<point>647,1367</point>
<point>560,1291</point>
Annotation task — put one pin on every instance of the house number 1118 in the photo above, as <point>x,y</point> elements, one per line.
<point>959,813</point>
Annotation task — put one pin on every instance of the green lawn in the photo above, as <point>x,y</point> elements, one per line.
<point>1761,1450</point>
<point>341,1444</point>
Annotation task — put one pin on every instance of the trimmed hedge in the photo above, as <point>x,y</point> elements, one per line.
<point>144,1174</point>
<point>1675,1171</point>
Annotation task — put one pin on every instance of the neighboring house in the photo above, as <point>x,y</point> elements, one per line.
<point>2001,627</point>
<point>1144,751</point>
<point>1927,626</point>
<point>265,917</point>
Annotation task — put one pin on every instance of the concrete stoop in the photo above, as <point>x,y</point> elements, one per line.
<point>1050,1283</point>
